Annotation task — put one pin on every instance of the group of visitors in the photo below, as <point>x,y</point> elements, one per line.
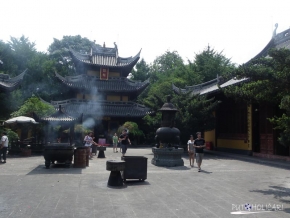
<point>123,140</point>
<point>195,148</point>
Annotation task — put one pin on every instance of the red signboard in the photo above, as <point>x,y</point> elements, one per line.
<point>104,73</point>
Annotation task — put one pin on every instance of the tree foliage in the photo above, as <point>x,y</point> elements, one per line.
<point>59,52</point>
<point>35,105</point>
<point>210,63</point>
<point>195,112</point>
<point>167,69</point>
<point>141,71</point>
<point>268,80</point>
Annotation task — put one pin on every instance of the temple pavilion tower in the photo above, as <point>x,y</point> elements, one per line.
<point>101,91</point>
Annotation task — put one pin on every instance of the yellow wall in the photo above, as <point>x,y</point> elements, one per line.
<point>97,73</point>
<point>209,136</point>
<point>230,143</point>
<point>124,98</point>
<point>93,73</point>
<point>249,117</point>
<point>19,132</point>
<point>92,97</point>
<point>113,98</point>
<point>114,74</point>
<point>79,96</point>
<point>29,134</point>
<point>88,97</point>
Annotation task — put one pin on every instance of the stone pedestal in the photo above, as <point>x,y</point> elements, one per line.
<point>101,152</point>
<point>115,167</point>
<point>167,157</point>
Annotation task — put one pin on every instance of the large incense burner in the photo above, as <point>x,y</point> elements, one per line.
<point>166,152</point>
<point>58,152</point>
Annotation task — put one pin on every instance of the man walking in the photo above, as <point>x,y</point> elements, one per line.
<point>199,145</point>
<point>124,140</point>
<point>4,147</point>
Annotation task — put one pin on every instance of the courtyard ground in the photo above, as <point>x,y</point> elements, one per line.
<point>226,184</point>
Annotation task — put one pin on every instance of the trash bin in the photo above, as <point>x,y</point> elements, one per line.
<point>208,145</point>
<point>135,168</point>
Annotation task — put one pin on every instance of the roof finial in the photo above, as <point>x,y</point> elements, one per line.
<point>274,32</point>
<point>104,45</point>
<point>168,98</point>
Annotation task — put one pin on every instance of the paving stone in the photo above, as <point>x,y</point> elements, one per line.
<point>27,189</point>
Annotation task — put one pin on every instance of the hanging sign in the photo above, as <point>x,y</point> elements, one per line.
<point>104,73</point>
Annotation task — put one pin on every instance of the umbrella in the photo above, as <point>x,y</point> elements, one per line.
<point>21,119</point>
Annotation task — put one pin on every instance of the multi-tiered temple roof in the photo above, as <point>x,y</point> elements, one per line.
<point>93,90</point>
<point>113,84</point>
<point>101,109</point>
<point>8,84</point>
<point>108,57</point>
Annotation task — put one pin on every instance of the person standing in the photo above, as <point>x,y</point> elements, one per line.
<point>115,142</point>
<point>89,142</point>
<point>4,147</point>
<point>199,145</point>
<point>191,150</point>
<point>124,140</point>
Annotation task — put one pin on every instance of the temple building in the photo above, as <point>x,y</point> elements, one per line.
<point>8,84</point>
<point>240,127</point>
<point>101,91</point>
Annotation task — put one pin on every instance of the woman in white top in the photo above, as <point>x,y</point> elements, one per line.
<point>191,150</point>
<point>89,139</point>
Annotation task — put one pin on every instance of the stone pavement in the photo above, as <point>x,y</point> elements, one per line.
<point>224,186</point>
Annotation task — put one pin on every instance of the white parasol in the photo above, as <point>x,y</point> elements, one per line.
<point>21,119</point>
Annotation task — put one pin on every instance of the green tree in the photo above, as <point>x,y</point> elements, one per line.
<point>59,52</point>
<point>210,63</point>
<point>133,131</point>
<point>22,50</point>
<point>268,80</point>
<point>34,105</point>
<point>141,71</point>
<point>195,112</point>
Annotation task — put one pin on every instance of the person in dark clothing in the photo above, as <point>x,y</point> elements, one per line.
<point>124,140</point>
<point>199,145</point>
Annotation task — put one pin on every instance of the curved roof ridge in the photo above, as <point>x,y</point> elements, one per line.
<point>203,84</point>
<point>19,77</point>
<point>101,59</point>
<point>9,84</point>
<point>282,37</point>
<point>137,55</point>
<point>136,82</point>
<point>275,41</point>
<point>178,89</point>
<point>42,100</point>
<point>107,108</point>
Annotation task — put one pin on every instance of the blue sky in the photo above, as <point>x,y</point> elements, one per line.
<point>239,28</point>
